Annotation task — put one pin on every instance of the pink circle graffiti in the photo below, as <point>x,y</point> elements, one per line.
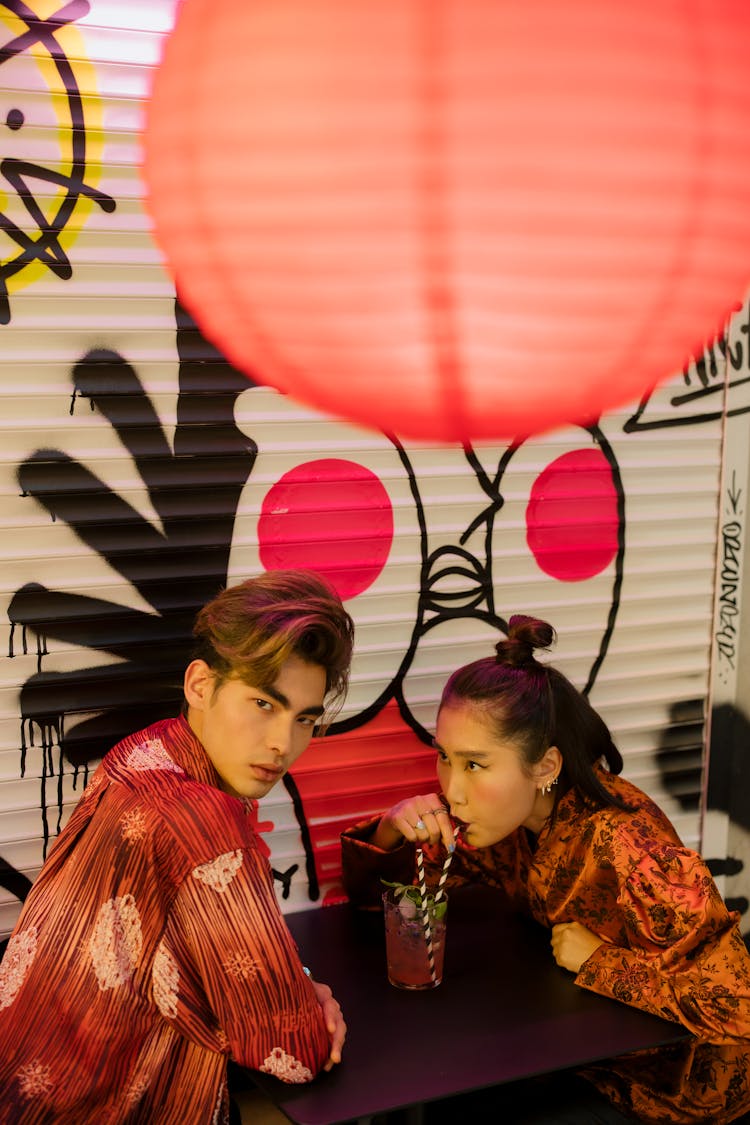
<point>331,516</point>
<point>572,522</point>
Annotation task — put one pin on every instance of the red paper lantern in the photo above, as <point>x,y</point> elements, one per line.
<point>455,219</point>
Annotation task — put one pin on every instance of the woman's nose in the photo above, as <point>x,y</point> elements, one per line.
<point>454,790</point>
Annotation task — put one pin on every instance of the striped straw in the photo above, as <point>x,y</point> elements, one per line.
<point>444,873</point>
<point>424,913</point>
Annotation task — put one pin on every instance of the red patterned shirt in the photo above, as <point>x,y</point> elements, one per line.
<point>150,950</point>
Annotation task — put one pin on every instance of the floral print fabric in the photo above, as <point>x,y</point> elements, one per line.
<point>150,950</point>
<point>670,945</point>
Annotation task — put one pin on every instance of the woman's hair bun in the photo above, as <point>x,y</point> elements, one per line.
<point>525,634</point>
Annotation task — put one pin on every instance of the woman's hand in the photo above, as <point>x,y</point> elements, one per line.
<point>422,820</point>
<point>572,944</point>
<point>334,1018</point>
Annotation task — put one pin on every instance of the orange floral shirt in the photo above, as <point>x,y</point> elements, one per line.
<point>150,950</point>
<point>671,947</point>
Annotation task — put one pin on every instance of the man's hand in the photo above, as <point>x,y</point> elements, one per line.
<point>572,944</point>
<point>335,1025</point>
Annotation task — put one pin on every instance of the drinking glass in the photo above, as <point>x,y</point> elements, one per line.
<point>414,951</point>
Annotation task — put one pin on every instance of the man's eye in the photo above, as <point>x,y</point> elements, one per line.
<point>306,721</point>
<point>264,704</point>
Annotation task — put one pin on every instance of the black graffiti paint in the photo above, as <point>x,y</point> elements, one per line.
<point>195,488</point>
<point>285,878</point>
<point>176,566</point>
<point>730,574</point>
<point>39,240</point>
<point>706,377</point>
<point>679,754</point>
<point>18,885</point>
<point>729,763</point>
<point>456,583</point>
<point>728,610</point>
<point>707,369</point>
<point>728,786</point>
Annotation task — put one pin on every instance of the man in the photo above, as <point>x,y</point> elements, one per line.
<point>151,948</point>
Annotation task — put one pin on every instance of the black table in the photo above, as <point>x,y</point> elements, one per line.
<point>504,1011</point>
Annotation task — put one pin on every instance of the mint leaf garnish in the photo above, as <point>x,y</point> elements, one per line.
<point>411,893</point>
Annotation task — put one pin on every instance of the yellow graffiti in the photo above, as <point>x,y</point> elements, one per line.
<point>53,138</point>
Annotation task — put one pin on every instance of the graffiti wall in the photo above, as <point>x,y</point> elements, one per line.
<point>140,473</point>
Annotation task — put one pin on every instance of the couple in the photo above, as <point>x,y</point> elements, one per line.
<point>151,949</point>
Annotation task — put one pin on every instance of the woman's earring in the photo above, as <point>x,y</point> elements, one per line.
<point>545,789</point>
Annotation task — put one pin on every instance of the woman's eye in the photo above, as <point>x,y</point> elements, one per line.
<point>474,766</point>
<point>441,756</point>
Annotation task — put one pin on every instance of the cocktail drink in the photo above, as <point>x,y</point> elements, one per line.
<point>414,956</point>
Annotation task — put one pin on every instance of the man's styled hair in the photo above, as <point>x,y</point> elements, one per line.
<point>248,631</point>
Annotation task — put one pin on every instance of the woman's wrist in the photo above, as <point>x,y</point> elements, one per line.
<point>385,836</point>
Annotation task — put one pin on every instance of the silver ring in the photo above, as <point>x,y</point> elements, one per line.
<point>436,811</point>
<point>420,825</point>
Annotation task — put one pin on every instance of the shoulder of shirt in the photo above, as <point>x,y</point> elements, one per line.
<point>643,820</point>
<point>142,774</point>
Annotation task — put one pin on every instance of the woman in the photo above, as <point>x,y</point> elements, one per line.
<point>529,773</point>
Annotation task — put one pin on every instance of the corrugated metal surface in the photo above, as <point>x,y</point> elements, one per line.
<point>128,449</point>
